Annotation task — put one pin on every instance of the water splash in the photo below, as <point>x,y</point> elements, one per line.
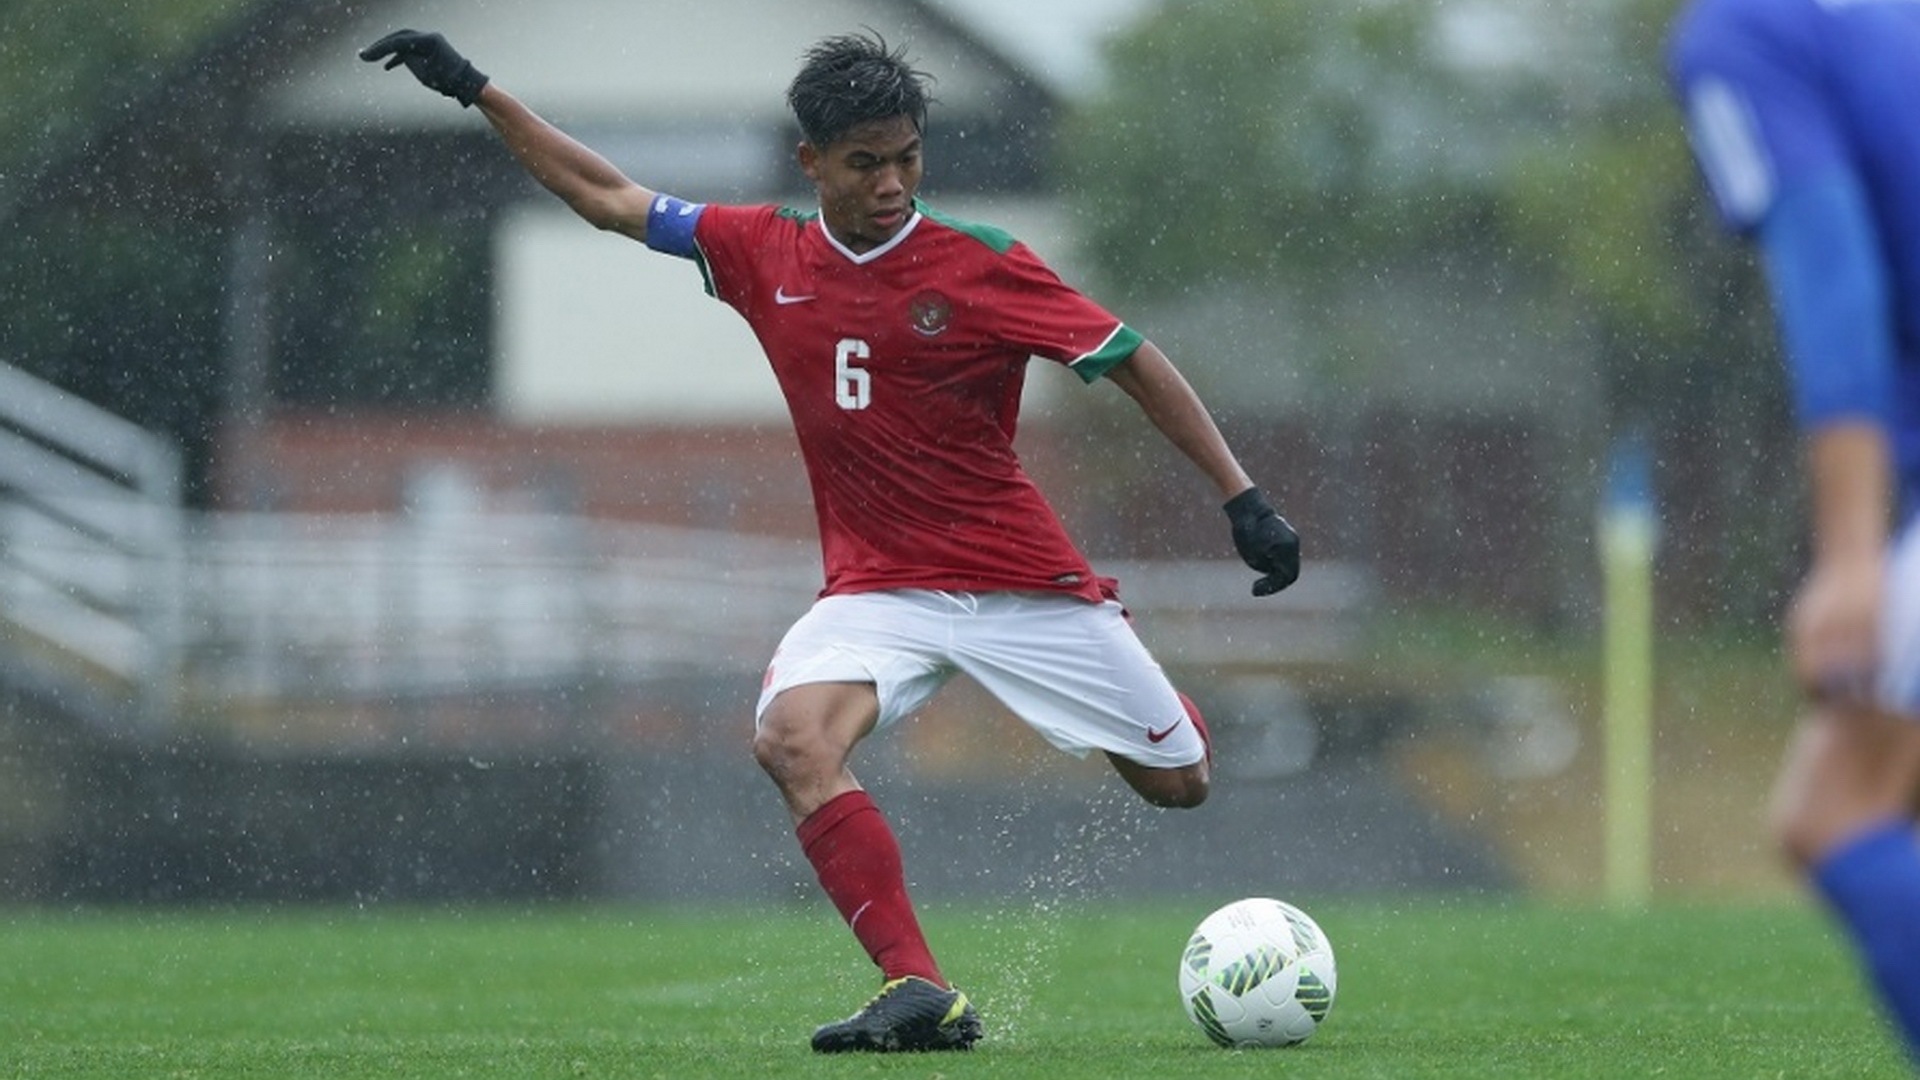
<point>1027,928</point>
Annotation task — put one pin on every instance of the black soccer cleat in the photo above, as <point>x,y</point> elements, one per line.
<point>908,1015</point>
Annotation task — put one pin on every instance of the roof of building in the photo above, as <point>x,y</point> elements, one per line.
<point>292,61</point>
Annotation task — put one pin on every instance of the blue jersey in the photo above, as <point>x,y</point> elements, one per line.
<point>1805,118</point>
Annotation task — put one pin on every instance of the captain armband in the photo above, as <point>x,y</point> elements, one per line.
<point>670,223</point>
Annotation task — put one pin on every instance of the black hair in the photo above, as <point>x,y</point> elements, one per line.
<point>852,79</point>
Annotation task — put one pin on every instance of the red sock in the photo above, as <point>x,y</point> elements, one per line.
<point>857,857</point>
<point>1199,725</point>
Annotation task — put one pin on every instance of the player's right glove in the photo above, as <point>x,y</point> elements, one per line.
<point>1264,540</point>
<point>435,62</point>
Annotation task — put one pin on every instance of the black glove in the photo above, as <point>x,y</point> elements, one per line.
<point>1264,540</point>
<point>432,60</point>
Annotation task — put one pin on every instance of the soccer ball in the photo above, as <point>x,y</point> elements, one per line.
<point>1257,972</point>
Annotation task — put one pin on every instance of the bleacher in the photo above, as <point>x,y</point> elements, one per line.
<point>112,593</point>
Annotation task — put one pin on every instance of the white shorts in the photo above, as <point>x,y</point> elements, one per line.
<point>1073,671</point>
<point>1898,684</point>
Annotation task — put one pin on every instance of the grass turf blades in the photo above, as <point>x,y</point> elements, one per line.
<point>1430,987</point>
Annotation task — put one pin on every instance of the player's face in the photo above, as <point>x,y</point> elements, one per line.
<point>866,180</point>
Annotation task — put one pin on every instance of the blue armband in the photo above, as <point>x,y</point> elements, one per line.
<point>670,223</point>
<point>1831,296</point>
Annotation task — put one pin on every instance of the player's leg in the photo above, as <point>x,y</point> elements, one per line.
<point>1844,802</point>
<point>1842,812</point>
<point>824,694</point>
<point>1177,787</point>
<point>848,667</point>
<point>1182,788</point>
<point>1847,770</point>
<point>806,735</point>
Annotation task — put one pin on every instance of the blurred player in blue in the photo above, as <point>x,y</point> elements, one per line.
<point>1805,118</point>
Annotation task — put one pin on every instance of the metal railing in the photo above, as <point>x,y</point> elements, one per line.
<point>343,609</point>
<point>388,606</point>
<point>130,609</point>
<point>90,551</point>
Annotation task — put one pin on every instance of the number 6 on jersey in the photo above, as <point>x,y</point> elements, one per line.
<point>852,384</point>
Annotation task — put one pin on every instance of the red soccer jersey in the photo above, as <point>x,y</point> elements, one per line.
<point>902,368</point>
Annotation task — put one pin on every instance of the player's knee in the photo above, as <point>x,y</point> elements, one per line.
<point>1180,788</point>
<point>1795,835</point>
<point>1843,773</point>
<point>1197,787</point>
<point>784,751</point>
<point>1185,798</point>
<point>1806,816</point>
<point>766,750</point>
<point>1176,789</point>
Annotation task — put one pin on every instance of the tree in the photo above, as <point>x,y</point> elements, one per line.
<point>66,65</point>
<point>116,304</point>
<point>1308,148</point>
<point>122,291</point>
<point>1614,214</point>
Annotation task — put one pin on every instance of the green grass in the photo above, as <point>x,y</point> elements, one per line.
<point>1429,987</point>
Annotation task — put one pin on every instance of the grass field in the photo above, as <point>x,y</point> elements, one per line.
<point>1429,987</point>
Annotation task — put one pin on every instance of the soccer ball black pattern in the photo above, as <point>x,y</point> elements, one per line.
<point>1258,972</point>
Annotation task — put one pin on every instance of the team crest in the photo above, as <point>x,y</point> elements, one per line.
<point>929,312</point>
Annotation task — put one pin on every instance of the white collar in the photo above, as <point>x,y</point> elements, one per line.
<point>868,256</point>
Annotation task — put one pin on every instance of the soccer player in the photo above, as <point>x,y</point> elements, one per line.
<point>1802,116</point>
<point>900,338</point>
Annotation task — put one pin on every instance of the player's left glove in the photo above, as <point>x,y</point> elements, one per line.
<point>433,60</point>
<point>1264,540</point>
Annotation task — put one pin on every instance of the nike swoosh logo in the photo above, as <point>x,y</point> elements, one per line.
<point>780,297</point>
<point>1157,737</point>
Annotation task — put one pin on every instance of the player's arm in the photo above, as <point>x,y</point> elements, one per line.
<point>1151,380</point>
<point>1818,240</point>
<point>1834,626</point>
<point>588,183</point>
<point>1264,539</point>
<point>585,181</point>
<point>1832,299</point>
